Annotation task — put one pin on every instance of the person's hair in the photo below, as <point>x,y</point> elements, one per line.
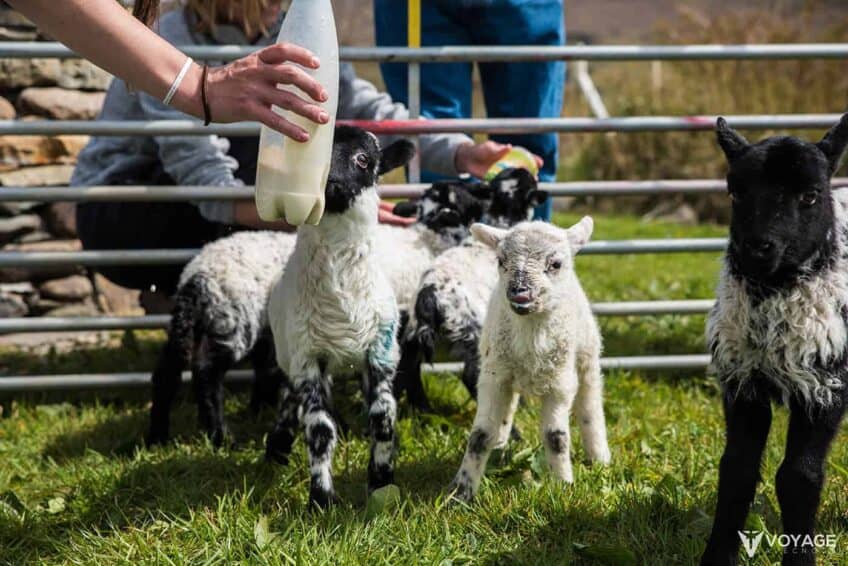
<point>146,11</point>
<point>247,12</point>
<point>208,13</point>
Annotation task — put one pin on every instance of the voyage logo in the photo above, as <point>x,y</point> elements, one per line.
<point>751,541</point>
<point>794,544</point>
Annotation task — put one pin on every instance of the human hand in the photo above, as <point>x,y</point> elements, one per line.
<point>385,215</point>
<point>476,159</point>
<point>246,88</point>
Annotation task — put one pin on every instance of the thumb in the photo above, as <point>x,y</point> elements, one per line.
<point>497,150</point>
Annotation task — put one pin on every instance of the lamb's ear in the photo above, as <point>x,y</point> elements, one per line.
<point>487,234</point>
<point>537,197</point>
<point>396,155</point>
<point>579,234</point>
<point>833,144</point>
<point>731,141</point>
<point>406,208</point>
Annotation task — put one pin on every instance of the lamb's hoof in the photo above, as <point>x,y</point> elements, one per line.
<point>380,476</point>
<point>515,434</point>
<point>460,492</point>
<point>218,438</point>
<point>278,447</point>
<point>603,458</point>
<point>276,456</point>
<point>322,499</point>
<point>156,438</point>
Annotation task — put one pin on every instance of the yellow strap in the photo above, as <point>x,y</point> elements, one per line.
<point>414,23</point>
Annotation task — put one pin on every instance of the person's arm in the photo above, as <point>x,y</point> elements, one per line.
<point>447,154</point>
<point>105,33</point>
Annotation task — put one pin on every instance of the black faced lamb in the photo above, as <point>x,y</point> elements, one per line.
<point>333,310</point>
<point>220,315</point>
<point>452,295</point>
<point>779,329</point>
<point>539,338</point>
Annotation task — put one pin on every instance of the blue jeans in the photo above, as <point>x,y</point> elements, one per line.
<point>510,90</point>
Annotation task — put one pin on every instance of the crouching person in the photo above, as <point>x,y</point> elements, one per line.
<point>539,338</point>
<point>212,160</point>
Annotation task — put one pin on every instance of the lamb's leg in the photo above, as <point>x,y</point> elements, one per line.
<point>590,409</point>
<point>747,422</point>
<point>267,378</point>
<point>279,443</point>
<point>556,412</point>
<point>496,404</point>
<point>471,364</point>
<point>208,378</point>
<point>382,408</point>
<point>801,476</point>
<point>409,376</point>
<point>167,378</point>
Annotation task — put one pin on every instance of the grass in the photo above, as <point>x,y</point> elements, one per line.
<point>77,486</point>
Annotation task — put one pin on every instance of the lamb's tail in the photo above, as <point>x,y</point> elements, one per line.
<point>185,319</point>
<point>429,319</point>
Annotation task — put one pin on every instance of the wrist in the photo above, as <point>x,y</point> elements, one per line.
<point>462,157</point>
<point>187,98</point>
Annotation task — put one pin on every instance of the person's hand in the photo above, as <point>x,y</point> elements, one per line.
<point>386,216</point>
<point>476,159</point>
<point>246,88</point>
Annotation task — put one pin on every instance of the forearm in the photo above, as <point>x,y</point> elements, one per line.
<point>105,33</point>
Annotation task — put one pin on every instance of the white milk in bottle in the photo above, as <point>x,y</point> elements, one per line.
<point>291,176</point>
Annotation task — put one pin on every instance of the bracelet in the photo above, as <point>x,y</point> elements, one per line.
<point>207,114</point>
<point>176,84</point>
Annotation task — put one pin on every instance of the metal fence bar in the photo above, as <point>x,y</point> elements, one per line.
<point>176,256</point>
<point>77,324</point>
<point>455,53</point>
<point>176,193</point>
<point>82,323</point>
<point>76,382</point>
<point>628,124</point>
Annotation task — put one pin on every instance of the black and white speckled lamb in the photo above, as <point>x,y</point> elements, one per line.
<point>221,318</point>
<point>779,330</point>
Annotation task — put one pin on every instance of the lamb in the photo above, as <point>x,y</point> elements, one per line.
<point>539,338</point>
<point>453,292</point>
<point>220,317</point>
<point>333,310</point>
<point>779,329</point>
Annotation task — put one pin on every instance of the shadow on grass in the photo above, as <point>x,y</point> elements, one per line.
<point>648,531</point>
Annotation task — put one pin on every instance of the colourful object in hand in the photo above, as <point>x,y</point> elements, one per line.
<point>518,157</point>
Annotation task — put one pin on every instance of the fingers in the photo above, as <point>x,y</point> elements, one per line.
<point>276,122</point>
<point>294,103</point>
<point>293,75</point>
<point>385,205</point>
<point>283,52</point>
<point>386,217</point>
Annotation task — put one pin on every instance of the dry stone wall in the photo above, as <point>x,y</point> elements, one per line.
<point>47,89</point>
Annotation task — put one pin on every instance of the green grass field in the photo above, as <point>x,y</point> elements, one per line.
<point>77,485</point>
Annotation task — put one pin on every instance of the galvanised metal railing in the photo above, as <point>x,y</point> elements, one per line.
<point>408,127</point>
<point>484,54</point>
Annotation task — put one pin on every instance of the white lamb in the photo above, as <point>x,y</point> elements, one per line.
<point>333,310</point>
<point>539,338</point>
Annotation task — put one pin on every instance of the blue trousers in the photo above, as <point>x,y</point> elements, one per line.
<point>510,90</point>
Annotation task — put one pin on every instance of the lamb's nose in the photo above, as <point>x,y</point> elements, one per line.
<point>519,295</point>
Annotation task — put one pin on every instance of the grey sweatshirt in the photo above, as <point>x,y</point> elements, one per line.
<point>203,160</point>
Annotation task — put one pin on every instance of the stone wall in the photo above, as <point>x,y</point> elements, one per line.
<point>47,89</point>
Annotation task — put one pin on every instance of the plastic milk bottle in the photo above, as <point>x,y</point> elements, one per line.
<point>291,176</point>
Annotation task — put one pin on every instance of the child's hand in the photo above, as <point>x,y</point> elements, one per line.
<point>386,216</point>
<point>476,159</point>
